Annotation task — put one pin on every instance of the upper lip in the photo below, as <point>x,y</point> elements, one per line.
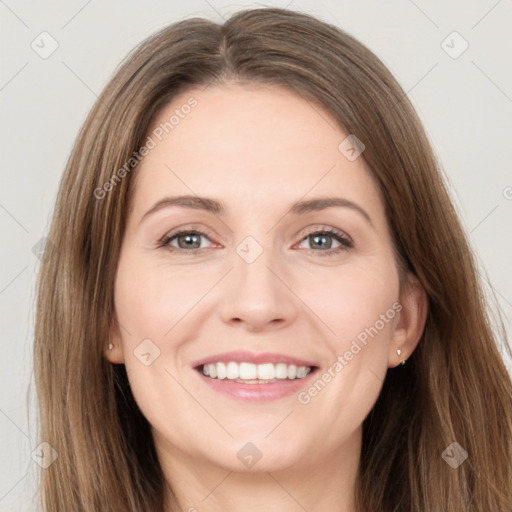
<point>242,356</point>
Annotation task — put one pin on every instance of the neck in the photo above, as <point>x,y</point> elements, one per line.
<point>326,484</point>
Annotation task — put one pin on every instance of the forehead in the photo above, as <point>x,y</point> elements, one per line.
<point>248,142</point>
<point>248,121</point>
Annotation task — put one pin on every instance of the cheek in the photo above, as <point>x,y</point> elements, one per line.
<point>155,307</point>
<point>151,300</point>
<point>352,301</point>
<point>360,307</point>
<point>149,304</point>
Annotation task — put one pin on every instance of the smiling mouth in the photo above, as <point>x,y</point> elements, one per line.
<point>251,373</point>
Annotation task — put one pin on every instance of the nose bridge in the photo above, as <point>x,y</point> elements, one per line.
<point>253,267</point>
<point>257,295</point>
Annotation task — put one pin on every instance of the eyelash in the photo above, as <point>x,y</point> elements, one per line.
<point>345,241</point>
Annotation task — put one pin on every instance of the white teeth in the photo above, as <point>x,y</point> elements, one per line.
<point>301,372</point>
<point>248,371</point>
<point>232,371</point>
<point>221,371</point>
<point>281,371</point>
<point>212,370</point>
<point>254,372</point>
<point>266,371</point>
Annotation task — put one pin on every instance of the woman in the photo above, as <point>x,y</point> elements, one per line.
<point>260,294</point>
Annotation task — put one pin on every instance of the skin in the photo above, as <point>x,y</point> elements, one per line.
<point>258,149</point>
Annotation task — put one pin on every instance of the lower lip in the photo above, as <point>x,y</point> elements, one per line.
<point>258,392</point>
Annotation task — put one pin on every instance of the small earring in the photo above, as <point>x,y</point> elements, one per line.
<point>110,346</point>
<point>399,352</point>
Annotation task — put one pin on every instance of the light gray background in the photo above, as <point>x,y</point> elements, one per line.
<point>465,104</point>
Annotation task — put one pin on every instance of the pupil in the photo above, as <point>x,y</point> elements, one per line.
<point>316,238</point>
<point>188,239</point>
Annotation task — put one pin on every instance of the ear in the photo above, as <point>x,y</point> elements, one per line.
<point>411,320</point>
<point>114,350</point>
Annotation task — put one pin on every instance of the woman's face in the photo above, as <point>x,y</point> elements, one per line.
<point>266,276</point>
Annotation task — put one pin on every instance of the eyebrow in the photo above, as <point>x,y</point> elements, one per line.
<point>216,207</point>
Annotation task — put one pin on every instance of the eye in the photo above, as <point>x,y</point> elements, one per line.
<point>323,240</point>
<point>187,240</point>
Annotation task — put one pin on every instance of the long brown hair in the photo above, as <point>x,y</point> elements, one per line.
<point>454,388</point>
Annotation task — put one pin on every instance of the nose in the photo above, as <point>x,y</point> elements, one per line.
<point>258,295</point>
